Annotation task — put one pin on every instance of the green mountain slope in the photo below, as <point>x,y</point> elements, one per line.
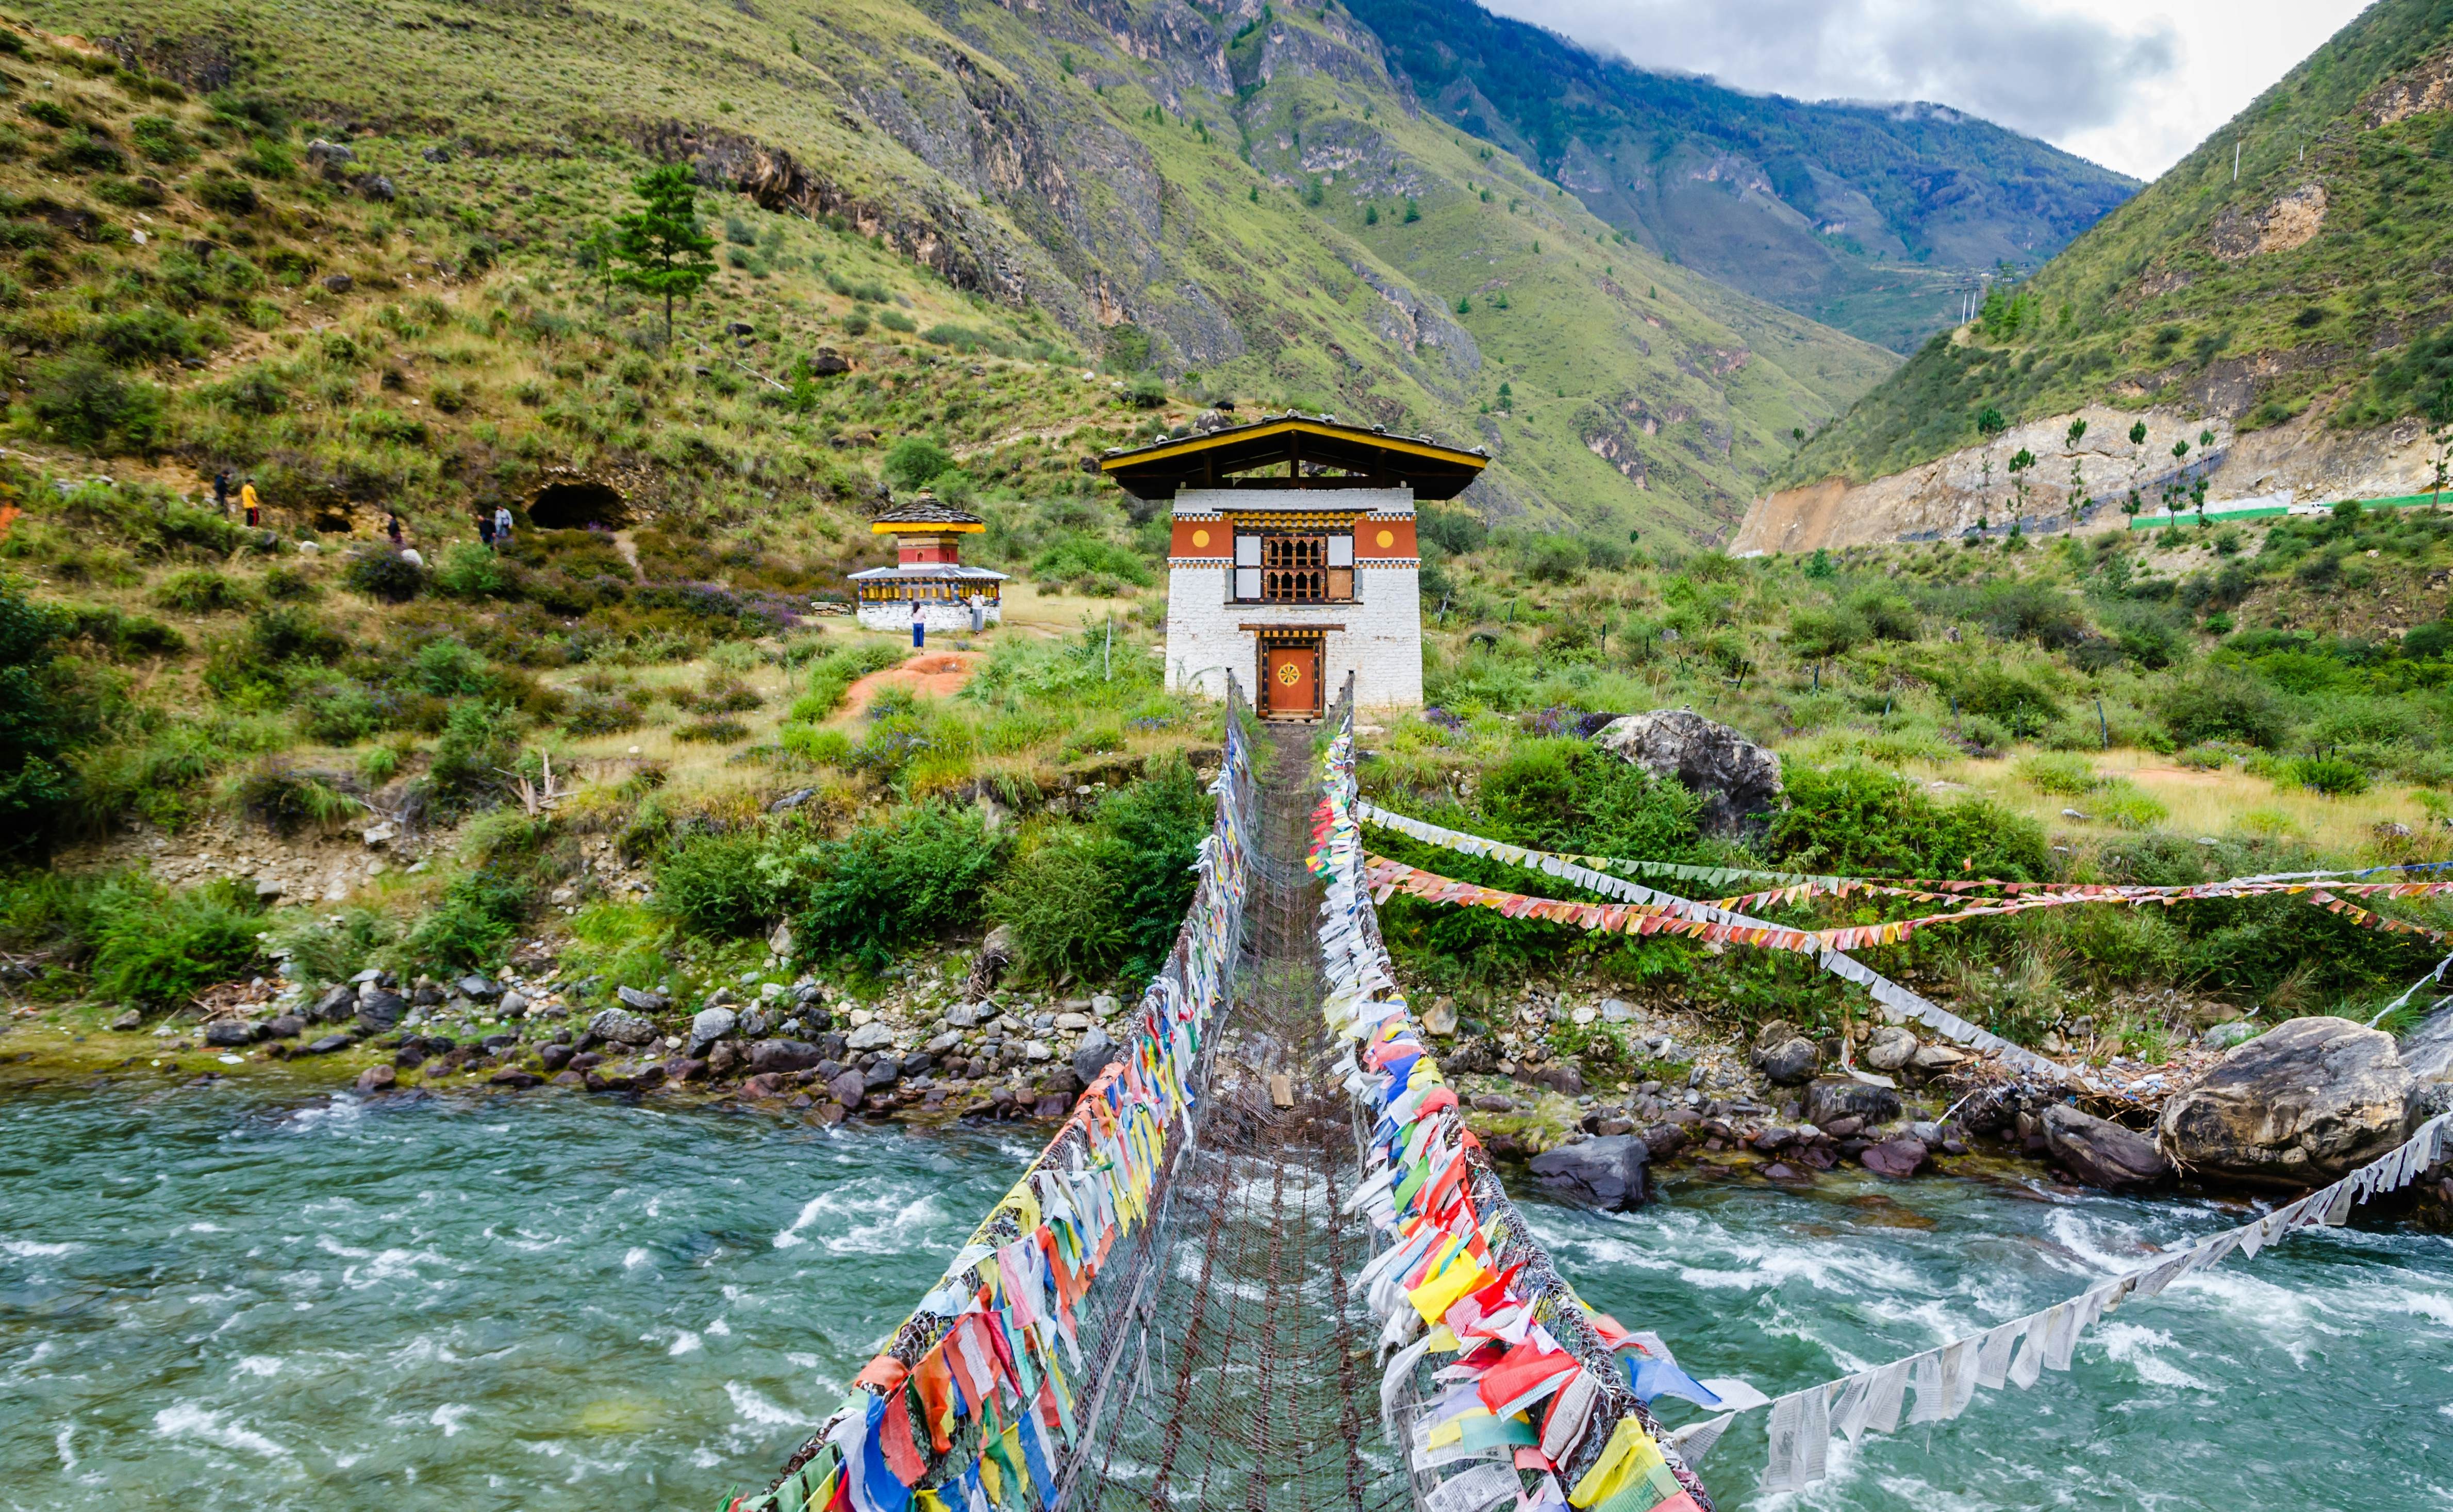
<point>1247,205</point>
<point>1872,218</point>
<point>2312,285</point>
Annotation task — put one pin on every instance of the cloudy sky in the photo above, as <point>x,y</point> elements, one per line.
<point>2131,84</point>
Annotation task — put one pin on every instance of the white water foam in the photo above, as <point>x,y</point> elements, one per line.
<point>267,1365</point>
<point>2133,1345</point>
<point>185,1421</point>
<point>759,1410</point>
<point>31,1249</point>
<point>447,1417</point>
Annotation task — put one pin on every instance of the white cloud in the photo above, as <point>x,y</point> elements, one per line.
<point>2131,84</point>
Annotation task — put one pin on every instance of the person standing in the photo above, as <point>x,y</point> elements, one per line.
<point>246,498</point>
<point>502,525</point>
<point>392,528</point>
<point>221,492</point>
<point>486,529</point>
<point>919,626</point>
<point>979,614</point>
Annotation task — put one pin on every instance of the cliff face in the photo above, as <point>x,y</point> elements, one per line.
<point>1951,495</point>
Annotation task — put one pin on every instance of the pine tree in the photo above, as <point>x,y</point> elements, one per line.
<point>662,249</point>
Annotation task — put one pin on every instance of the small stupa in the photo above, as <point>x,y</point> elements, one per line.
<point>928,576</point>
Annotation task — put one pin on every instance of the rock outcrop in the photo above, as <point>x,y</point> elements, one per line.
<point>2100,1152</point>
<point>1737,779</point>
<point>1606,1172</point>
<point>2301,1105</point>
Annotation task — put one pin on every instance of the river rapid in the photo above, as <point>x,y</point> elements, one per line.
<point>214,1296</point>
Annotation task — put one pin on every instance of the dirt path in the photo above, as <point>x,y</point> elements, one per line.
<point>931,674</point>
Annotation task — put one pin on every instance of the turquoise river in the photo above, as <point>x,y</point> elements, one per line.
<point>215,1297</point>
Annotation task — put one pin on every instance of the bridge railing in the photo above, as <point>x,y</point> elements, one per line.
<point>1447,1222</point>
<point>996,1386</point>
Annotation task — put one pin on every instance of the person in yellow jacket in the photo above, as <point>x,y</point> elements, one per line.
<point>247,497</point>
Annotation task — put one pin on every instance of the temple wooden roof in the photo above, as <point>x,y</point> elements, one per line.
<point>924,514</point>
<point>1294,451</point>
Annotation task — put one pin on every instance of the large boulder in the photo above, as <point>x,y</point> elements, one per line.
<point>783,1055</point>
<point>1791,1062</point>
<point>1737,779</point>
<point>2100,1152</point>
<point>708,1025</point>
<point>380,1012</point>
<point>1832,1098</point>
<point>1606,1172</point>
<point>2303,1103</point>
<point>1889,1048</point>
<point>1096,1054</point>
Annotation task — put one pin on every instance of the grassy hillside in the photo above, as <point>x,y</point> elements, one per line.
<point>1870,218</point>
<point>1132,189</point>
<point>2311,284</point>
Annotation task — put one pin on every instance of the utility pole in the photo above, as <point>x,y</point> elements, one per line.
<point>2235,160</point>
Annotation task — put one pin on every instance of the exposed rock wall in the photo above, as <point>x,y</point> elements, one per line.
<point>1949,496</point>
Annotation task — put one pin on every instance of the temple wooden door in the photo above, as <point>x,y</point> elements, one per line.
<point>1291,680</point>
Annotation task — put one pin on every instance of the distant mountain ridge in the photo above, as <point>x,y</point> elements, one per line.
<point>1866,216</point>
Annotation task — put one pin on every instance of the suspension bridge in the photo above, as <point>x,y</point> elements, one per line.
<point>1264,1265</point>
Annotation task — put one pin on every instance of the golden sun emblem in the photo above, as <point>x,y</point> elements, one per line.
<point>1200,538</point>
<point>1387,539</point>
<point>1289,674</point>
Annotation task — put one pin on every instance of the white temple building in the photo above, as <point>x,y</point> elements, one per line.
<point>927,574</point>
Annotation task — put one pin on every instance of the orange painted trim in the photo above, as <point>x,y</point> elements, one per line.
<point>1384,538</point>
<point>915,527</point>
<point>1201,538</point>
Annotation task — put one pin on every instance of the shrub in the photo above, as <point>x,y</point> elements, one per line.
<point>713,732</point>
<point>477,915</point>
<point>895,320</point>
<point>159,949</point>
<point>2330,775</point>
<point>2123,803</point>
<point>600,714</point>
<point>1155,827</point>
<point>340,712</point>
<point>2064,775</point>
<point>37,725</point>
<point>477,744</point>
<point>1147,392</point>
<point>832,674</point>
<point>83,403</point>
<point>225,193</point>
<point>727,885</point>
<point>289,632</point>
<point>286,800</point>
<point>2220,703</point>
<point>1860,820</point>
<point>201,590</point>
<point>469,571</point>
<point>1063,901</point>
<point>914,462</point>
<point>886,885</point>
<point>385,574</point>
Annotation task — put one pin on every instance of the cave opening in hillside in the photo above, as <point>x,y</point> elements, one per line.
<point>577,505</point>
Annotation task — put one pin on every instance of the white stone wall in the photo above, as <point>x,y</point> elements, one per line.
<point>1382,641</point>
<point>940,616</point>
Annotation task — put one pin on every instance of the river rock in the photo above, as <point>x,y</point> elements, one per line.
<point>1830,1099</point>
<point>378,1079</point>
<point>1792,1063</point>
<point>226,1033</point>
<point>128,1023</point>
<point>515,1005</point>
<point>329,1044</point>
<point>2301,1105</point>
<point>1440,1017</point>
<point>1934,1058</point>
<point>847,1088</point>
<point>641,1000</point>
<point>621,1028</point>
<point>963,1016</point>
<point>336,1003</point>
<point>708,1025</point>
<point>1616,1010</point>
<point>883,1072</point>
<point>1899,1157</point>
<point>287,1026</point>
<point>1095,1054</point>
<point>379,1012</point>
<point>783,1055</point>
<point>2232,1035</point>
<point>2100,1152</point>
<point>1889,1048</point>
<point>1737,779</point>
<point>485,989</point>
<point>874,1035</point>
<point>1606,1172</point>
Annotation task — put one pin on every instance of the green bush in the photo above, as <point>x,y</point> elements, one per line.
<point>478,745</point>
<point>200,591</point>
<point>832,674</point>
<point>479,913</point>
<point>2330,775</point>
<point>1156,827</point>
<point>2220,703</point>
<point>1063,901</point>
<point>290,632</point>
<point>2064,775</point>
<point>80,401</point>
<point>38,726</point>
<point>381,573</point>
<point>469,571</point>
<point>914,462</point>
<point>727,885</point>
<point>886,886</point>
<point>338,712</point>
<point>1861,820</point>
<point>159,949</point>
<point>824,747</point>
